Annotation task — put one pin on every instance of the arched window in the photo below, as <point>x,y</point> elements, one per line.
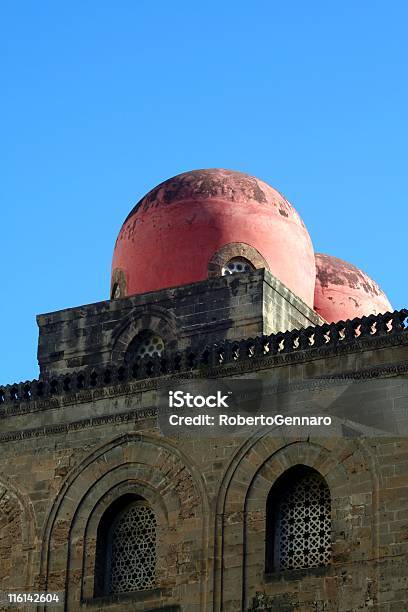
<point>118,284</point>
<point>146,344</point>
<point>126,547</point>
<point>237,264</point>
<point>115,294</point>
<point>298,521</point>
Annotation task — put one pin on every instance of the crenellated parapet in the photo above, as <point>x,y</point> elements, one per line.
<point>298,344</point>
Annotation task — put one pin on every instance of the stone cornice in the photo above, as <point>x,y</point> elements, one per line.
<point>132,416</point>
<point>227,359</point>
<point>140,414</point>
<point>132,388</point>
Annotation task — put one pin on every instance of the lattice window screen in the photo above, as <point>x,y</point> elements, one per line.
<point>133,549</point>
<point>237,264</point>
<point>145,344</point>
<point>149,345</point>
<point>302,536</point>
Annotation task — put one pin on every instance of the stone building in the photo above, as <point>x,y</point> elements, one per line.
<point>213,279</point>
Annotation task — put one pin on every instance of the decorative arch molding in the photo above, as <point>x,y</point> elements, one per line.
<point>231,250</point>
<point>16,503</point>
<point>153,318</point>
<point>88,532</point>
<point>135,478</point>
<point>133,463</point>
<point>241,502</point>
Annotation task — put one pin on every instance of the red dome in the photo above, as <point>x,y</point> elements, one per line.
<point>344,292</point>
<point>172,234</point>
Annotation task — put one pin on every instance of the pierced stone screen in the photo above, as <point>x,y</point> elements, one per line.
<point>145,344</point>
<point>237,264</point>
<point>303,524</point>
<point>133,549</point>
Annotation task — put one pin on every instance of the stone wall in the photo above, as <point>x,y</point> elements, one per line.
<point>67,457</point>
<point>229,307</point>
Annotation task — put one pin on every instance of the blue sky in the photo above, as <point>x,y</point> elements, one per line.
<point>103,100</point>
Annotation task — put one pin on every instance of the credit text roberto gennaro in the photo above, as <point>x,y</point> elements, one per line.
<point>249,421</point>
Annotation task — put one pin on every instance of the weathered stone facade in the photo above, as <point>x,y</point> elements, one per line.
<point>228,307</point>
<point>86,435</point>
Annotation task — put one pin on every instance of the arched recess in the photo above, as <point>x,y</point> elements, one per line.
<point>17,537</point>
<point>298,525</point>
<point>137,464</point>
<point>150,318</point>
<point>241,505</point>
<point>233,250</point>
<point>89,533</point>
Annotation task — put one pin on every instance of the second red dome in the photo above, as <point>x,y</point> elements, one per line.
<point>345,292</point>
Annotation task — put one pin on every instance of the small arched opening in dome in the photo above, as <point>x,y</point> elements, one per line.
<point>115,292</point>
<point>237,264</point>
<point>147,343</point>
<point>118,285</point>
<point>235,257</point>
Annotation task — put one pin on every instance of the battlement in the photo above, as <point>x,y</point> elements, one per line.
<point>298,344</point>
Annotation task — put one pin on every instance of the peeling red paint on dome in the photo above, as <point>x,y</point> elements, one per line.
<point>343,291</point>
<point>215,183</point>
<point>170,236</point>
